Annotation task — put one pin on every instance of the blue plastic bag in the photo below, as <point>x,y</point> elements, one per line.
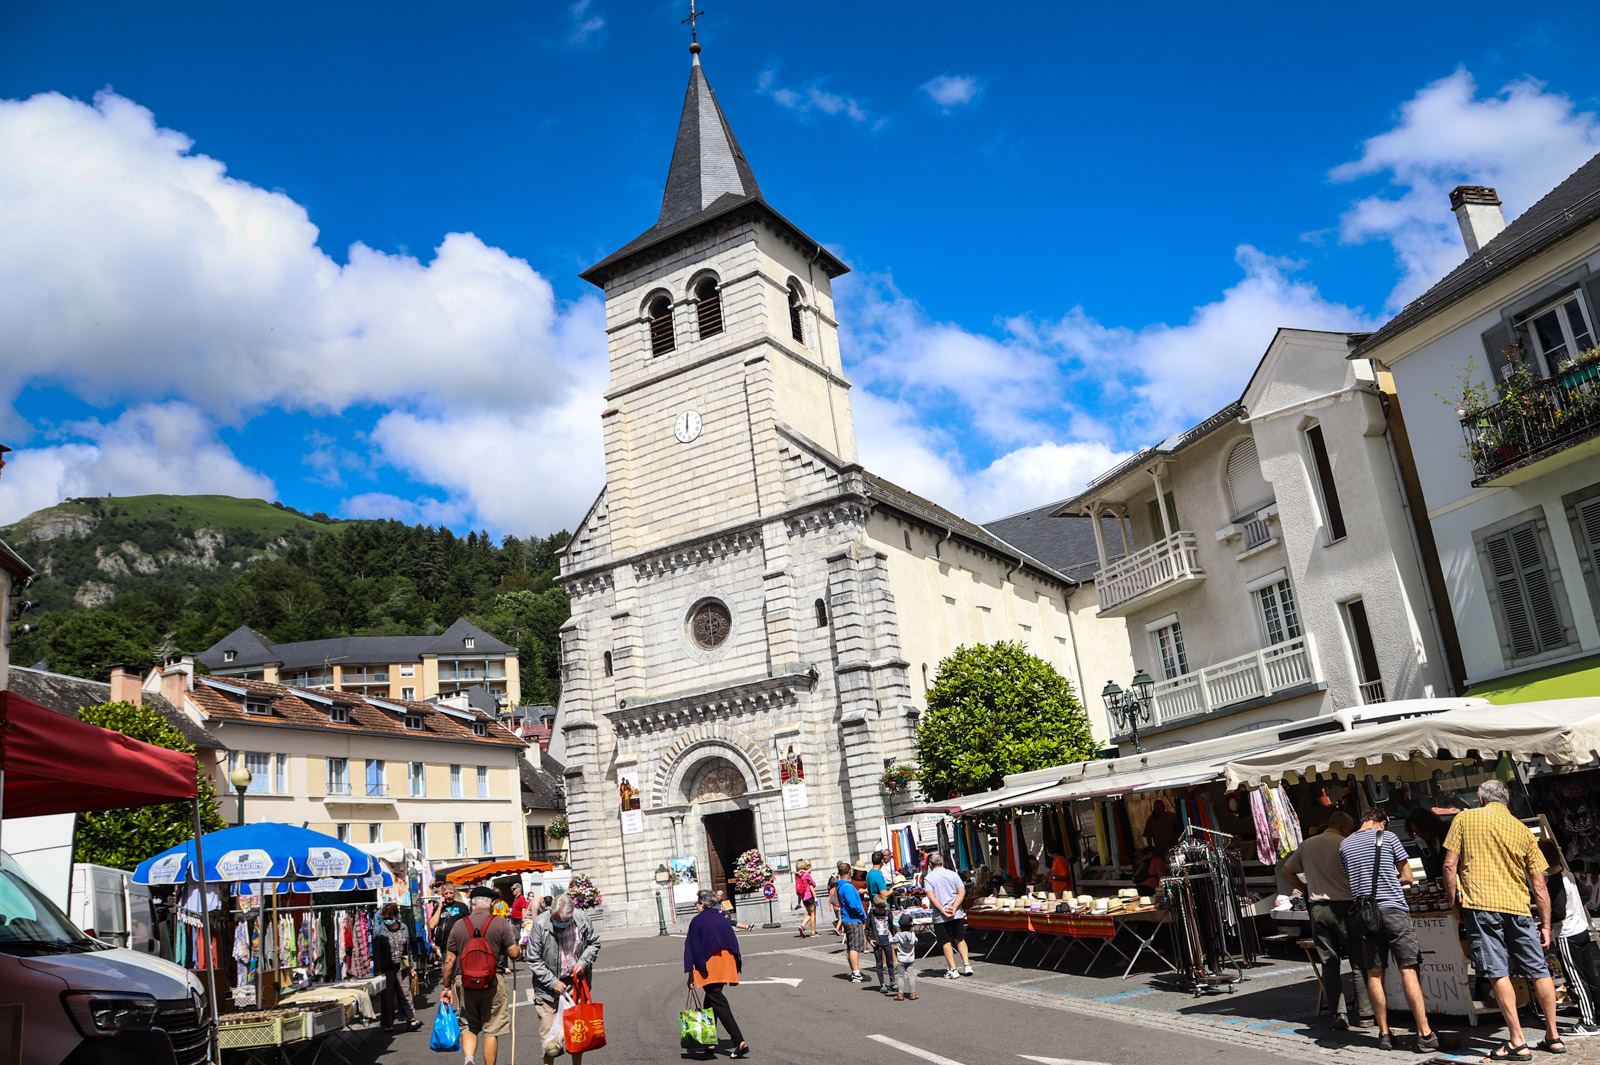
<point>446,1030</point>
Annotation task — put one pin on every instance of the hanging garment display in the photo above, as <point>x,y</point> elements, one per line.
<point>1212,941</point>
<point>1258,813</point>
<point>1100,840</point>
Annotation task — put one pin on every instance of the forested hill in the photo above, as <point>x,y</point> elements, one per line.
<point>193,568</point>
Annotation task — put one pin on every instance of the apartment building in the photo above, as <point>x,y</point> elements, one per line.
<point>1263,559</point>
<point>444,780</point>
<point>384,667</point>
<point>1508,464</point>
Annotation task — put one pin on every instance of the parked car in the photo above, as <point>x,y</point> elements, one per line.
<point>84,1003</point>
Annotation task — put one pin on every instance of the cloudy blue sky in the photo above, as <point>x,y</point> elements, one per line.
<point>327,253</point>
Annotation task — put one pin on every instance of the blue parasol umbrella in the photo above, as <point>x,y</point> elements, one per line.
<point>264,851</point>
<point>382,878</point>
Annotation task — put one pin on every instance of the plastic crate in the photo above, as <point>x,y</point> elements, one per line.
<point>326,1019</point>
<point>266,1032</point>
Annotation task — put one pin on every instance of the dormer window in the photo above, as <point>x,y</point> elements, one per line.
<point>708,307</point>
<point>228,656</point>
<point>470,642</point>
<point>480,728</point>
<point>261,707</point>
<point>797,326</point>
<point>414,722</point>
<point>339,715</point>
<point>660,313</point>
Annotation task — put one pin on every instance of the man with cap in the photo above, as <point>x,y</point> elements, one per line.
<point>485,1012</point>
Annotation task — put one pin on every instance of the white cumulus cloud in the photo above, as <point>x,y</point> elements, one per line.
<point>812,98</point>
<point>951,91</point>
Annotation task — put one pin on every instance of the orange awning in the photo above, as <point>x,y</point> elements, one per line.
<point>468,873</point>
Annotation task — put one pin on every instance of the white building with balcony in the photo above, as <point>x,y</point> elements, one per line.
<point>1510,471</point>
<point>1264,560</point>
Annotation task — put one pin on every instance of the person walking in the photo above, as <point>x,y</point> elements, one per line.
<point>853,921</point>
<point>711,961</point>
<point>805,889</point>
<point>946,892</point>
<point>477,986</point>
<point>561,950</point>
<point>1579,959</point>
<point>905,955</point>
<point>1492,858</point>
<point>1317,870</point>
<point>1375,857</point>
<point>389,961</point>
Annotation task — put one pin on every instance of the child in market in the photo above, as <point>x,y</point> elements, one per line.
<point>1579,959</point>
<point>882,929</point>
<point>905,953</point>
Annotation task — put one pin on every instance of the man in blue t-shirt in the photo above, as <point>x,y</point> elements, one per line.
<point>1377,865</point>
<point>877,881</point>
<point>853,916</point>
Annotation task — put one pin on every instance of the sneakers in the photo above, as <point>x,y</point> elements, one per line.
<point>967,971</point>
<point>912,995</point>
<point>1428,1044</point>
<point>951,974</point>
<point>900,998</point>
<point>1580,1031</point>
<point>1341,1023</point>
<point>1385,1042</point>
<point>856,978</point>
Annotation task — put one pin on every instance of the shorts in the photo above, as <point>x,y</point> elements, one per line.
<point>1398,941</point>
<point>809,904</point>
<point>1505,944</point>
<point>855,936</point>
<point>485,1012</point>
<point>952,931</point>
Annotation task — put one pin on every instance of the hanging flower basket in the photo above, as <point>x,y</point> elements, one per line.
<point>750,873</point>
<point>897,778</point>
<point>584,895</point>
<point>557,828</point>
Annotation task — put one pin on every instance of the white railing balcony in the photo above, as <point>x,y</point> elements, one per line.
<point>1372,692</point>
<point>1258,675</point>
<point>478,673</point>
<point>1149,573</point>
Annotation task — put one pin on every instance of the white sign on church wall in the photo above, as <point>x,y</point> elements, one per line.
<point>794,796</point>
<point>632,822</point>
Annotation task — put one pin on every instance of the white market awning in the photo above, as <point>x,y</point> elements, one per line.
<point>1565,732</point>
<point>962,805</point>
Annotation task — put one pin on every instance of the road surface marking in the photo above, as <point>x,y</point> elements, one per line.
<point>792,981</point>
<point>916,1052</point>
<point>1058,1061</point>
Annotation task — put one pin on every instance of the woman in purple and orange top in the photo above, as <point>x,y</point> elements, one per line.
<point>711,960</point>
<point>805,889</point>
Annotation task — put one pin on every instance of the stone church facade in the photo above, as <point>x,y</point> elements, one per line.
<point>749,604</point>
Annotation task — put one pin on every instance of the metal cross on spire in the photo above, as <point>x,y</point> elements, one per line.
<point>692,20</point>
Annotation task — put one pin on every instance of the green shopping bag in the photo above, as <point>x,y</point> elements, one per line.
<point>697,1028</point>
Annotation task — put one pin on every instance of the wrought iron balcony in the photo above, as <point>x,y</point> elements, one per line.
<point>1532,422</point>
<point>1259,675</point>
<point>1372,692</point>
<point>1149,574</point>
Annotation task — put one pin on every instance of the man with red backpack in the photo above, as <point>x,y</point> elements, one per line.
<point>477,962</point>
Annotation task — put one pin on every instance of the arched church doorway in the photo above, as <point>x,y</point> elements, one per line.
<point>728,835</point>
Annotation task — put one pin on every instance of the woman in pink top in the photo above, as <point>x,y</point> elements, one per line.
<point>805,888</point>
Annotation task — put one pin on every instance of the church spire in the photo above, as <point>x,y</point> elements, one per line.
<point>707,163</point>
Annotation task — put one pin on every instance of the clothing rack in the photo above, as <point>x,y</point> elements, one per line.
<point>1212,938</point>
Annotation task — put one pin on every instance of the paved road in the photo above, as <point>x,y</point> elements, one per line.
<point>797,1008</point>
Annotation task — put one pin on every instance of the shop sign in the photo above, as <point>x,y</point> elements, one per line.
<point>1446,987</point>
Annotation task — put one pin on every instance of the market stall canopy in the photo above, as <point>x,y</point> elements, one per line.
<point>55,764</point>
<point>468,873</point>
<point>391,851</point>
<point>962,805</point>
<point>382,878</point>
<point>264,851</point>
<point>1564,732</point>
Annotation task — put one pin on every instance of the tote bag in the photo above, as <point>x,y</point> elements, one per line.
<point>697,1028</point>
<point>584,1022</point>
<point>1366,919</point>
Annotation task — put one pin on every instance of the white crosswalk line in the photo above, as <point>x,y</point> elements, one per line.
<point>917,1052</point>
<point>1059,1061</point>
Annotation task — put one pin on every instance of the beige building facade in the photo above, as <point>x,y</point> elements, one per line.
<point>755,616</point>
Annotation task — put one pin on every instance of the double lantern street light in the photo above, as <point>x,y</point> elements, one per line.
<point>1130,708</point>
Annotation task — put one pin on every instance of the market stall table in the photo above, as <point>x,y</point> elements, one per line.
<point>1071,930</point>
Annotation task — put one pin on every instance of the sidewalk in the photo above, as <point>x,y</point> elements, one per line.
<point>1273,1009</point>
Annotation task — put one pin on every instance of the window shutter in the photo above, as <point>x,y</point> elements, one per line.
<point>1495,341</point>
<point>1591,291</point>
<point>1589,525</point>
<point>1246,486</point>
<point>1544,612</point>
<point>1513,608</point>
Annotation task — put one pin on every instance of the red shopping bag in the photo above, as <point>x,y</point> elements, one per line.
<point>584,1023</point>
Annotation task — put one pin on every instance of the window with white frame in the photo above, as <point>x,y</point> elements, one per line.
<point>483,782</point>
<point>419,832</point>
<point>1557,332</point>
<point>1279,618</point>
<point>283,774</point>
<point>1365,650</point>
<point>260,766</point>
<point>455,782</point>
<point>486,837</point>
<point>1327,489</point>
<point>338,776</point>
<point>228,656</point>
<point>1169,648</point>
<point>408,671</point>
<point>469,642</point>
<point>374,832</point>
<point>408,693</point>
<point>416,780</point>
<point>375,777</point>
<point>460,838</point>
<point>342,833</point>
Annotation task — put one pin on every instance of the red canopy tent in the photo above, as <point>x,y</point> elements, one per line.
<point>55,764</point>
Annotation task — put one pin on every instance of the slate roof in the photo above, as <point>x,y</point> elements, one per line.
<point>66,695</point>
<point>541,785</point>
<point>1565,209</point>
<point>709,179</point>
<point>252,649</point>
<point>1065,542</point>
<point>304,709</point>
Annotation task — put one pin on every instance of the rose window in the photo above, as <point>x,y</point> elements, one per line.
<point>710,624</point>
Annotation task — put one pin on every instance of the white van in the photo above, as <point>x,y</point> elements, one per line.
<point>83,1002</point>
<point>108,905</point>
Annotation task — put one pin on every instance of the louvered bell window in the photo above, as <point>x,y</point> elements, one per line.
<point>661,339</point>
<point>708,307</point>
<point>1521,580</point>
<point>797,325</point>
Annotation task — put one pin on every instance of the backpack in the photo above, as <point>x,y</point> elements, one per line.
<point>477,958</point>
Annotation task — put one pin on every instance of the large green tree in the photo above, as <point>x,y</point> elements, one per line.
<point>995,709</point>
<point>124,838</point>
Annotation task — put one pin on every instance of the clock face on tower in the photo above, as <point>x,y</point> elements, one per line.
<point>688,426</point>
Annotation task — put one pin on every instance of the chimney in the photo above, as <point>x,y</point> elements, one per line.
<point>126,685</point>
<point>1477,209</point>
<point>177,679</point>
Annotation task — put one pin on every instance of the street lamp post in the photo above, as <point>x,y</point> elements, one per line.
<point>241,778</point>
<point>1130,708</point>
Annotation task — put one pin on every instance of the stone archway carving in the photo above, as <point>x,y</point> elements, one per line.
<point>688,752</point>
<point>716,781</point>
